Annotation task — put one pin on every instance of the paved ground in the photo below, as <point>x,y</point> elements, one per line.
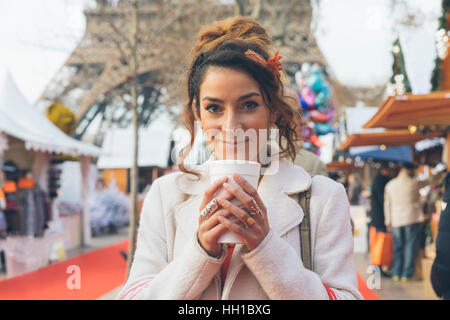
<point>388,289</point>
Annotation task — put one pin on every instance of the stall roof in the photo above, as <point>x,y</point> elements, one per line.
<point>23,121</point>
<point>388,138</point>
<point>431,109</point>
<point>154,148</point>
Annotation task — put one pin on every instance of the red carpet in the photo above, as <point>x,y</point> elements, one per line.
<point>101,271</point>
<point>365,291</point>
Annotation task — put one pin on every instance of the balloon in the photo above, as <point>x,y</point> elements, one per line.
<point>318,116</point>
<point>307,145</point>
<point>306,132</point>
<point>320,99</point>
<point>315,81</point>
<point>306,68</point>
<point>323,107</point>
<point>326,91</point>
<point>309,96</point>
<point>299,79</point>
<point>331,113</point>
<point>316,141</point>
<point>302,102</point>
<point>323,128</point>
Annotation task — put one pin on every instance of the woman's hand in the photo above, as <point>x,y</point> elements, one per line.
<point>253,216</point>
<point>210,229</point>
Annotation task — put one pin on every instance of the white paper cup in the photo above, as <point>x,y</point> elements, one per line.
<point>226,168</point>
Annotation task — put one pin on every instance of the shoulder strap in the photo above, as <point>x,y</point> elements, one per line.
<point>305,229</point>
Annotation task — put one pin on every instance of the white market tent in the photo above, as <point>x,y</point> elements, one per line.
<point>154,148</point>
<point>21,120</point>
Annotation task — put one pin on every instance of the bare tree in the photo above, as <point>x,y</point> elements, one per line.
<point>149,40</point>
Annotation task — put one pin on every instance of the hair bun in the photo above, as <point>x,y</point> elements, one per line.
<point>242,28</point>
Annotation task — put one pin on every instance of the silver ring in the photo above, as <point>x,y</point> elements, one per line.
<point>254,208</point>
<point>209,208</point>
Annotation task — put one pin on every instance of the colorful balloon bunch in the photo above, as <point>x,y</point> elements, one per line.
<point>314,96</point>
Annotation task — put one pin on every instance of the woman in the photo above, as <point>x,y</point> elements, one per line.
<point>234,86</point>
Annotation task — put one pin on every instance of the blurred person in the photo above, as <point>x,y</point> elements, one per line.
<point>354,188</point>
<point>376,212</point>
<point>233,83</point>
<point>440,271</point>
<point>403,217</point>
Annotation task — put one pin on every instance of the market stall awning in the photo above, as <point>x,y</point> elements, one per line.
<point>340,166</point>
<point>431,109</point>
<point>387,138</point>
<point>395,153</point>
<point>22,120</point>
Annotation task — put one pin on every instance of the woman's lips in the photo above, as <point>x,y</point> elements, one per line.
<point>231,142</point>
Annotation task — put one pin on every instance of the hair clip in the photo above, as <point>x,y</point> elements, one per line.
<point>273,63</point>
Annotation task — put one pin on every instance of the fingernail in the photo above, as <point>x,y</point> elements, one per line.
<point>226,184</point>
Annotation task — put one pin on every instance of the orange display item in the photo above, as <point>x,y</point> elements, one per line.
<point>9,186</point>
<point>26,183</point>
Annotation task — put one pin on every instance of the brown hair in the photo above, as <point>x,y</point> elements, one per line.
<point>224,45</point>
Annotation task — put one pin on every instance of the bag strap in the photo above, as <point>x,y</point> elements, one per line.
<point>305,229</point>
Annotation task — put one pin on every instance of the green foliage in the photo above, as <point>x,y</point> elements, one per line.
<point>62,117</point>
<point>398,67</point>
<point>436,77</point>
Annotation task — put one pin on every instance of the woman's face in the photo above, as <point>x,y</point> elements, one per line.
<point>233,114</point>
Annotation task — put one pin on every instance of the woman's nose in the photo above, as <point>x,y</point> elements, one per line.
<point>231,122</point>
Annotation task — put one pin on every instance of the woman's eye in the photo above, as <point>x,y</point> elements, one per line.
<point>250,105</point>
<point>213,108</point>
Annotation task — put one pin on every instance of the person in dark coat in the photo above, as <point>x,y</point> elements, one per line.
<point>377,199</point>
<point>376,213</point>
<point>440,271</point>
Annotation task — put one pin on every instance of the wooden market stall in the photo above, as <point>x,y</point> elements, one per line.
<point>426,113</point>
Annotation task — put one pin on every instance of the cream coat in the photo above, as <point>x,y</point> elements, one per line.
<point>170,264</point>
<point>402,205</point>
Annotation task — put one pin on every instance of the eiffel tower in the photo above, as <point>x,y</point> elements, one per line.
<point>95,69</point>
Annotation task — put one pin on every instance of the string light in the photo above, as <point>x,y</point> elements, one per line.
<point>442,43</point>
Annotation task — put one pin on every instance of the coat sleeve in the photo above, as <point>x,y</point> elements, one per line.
<point>280,271</point>
<point>387,207</point>
<point>152,275</point>
<point>440,271</point>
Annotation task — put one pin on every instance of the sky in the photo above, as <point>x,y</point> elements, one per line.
<point>356,37</point>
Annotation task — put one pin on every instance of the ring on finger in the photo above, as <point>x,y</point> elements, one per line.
<point>250,221</point>
<point>254,208</point>
<point>209,208</point>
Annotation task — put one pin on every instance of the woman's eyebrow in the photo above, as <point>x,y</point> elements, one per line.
<point>246,96</point>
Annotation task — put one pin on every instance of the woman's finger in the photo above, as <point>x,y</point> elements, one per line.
<point>247,200</point>
<point>211,191</point>
<point>249,189</point>
<point>234,227</point>
<point>207,224</point>
<point>241,214</point>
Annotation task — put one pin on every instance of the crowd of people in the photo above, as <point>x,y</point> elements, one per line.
<point>396,207</point>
